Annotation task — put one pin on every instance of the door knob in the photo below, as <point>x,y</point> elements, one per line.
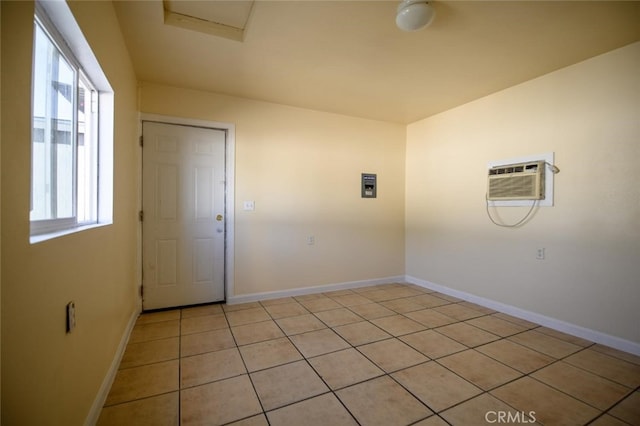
<point>219,218</point>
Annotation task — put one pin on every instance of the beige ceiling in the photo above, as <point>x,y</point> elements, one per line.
<point>348,57</point>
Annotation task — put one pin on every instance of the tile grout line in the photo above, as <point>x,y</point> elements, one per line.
<point>244,363</point>
<point>523,374</point>
<point>602,411</point>
<point>637,389</point>
<point>403,314</point>
<point>429,359</point>
<point>351,346</point>
<point>330,390</point>
<point>487,343</point>
<point>386,373</point>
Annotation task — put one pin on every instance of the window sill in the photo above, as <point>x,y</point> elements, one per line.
<point>35,239</point>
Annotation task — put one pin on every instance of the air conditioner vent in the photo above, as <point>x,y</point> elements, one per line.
<point>516,182</point>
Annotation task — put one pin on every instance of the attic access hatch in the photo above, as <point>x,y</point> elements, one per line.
<point>228,19</point>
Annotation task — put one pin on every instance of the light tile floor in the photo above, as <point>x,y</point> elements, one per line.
<point>393,354</point>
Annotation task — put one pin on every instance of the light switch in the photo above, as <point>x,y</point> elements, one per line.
<point>249,205</point>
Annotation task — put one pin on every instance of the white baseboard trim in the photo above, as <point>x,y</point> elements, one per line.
<point>254,297</point>
<point>103,392</point>
<point>556,324</point>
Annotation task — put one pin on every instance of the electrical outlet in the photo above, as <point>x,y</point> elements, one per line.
<point>311,240</point>
<point>540,254</point>
<point>71,316</point>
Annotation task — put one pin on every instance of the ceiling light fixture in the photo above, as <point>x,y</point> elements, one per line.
<point>414,15</point>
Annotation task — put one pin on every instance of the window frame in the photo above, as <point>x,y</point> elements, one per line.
<point>57,22</point>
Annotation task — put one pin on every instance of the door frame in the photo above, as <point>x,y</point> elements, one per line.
<point>230,173</point>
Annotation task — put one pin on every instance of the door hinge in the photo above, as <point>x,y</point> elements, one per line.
<point>141,216</point>
<point>141,141</point>
<point>142,292</point>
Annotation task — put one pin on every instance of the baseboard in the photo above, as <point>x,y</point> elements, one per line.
<point>103,392</point>
<point>253,297</point>
<point>556,324</point>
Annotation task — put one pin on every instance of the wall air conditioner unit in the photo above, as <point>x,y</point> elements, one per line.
<point>522,181</point>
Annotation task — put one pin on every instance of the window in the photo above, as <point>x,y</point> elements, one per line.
<point>71,145</point>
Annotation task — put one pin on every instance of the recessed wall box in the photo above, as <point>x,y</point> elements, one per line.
<point>369,185</point>
<point>522,181</point>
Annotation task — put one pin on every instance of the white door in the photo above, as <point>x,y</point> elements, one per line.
<point>183,202</point>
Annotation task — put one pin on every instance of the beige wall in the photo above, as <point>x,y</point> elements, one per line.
<point>50,377</point>
<point>302,168</point>
<point>588,114</point>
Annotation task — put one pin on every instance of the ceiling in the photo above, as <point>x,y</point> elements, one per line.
<point>348,57</point>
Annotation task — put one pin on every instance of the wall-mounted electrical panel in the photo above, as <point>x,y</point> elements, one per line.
<point>369,185</point>
<point>522,181</point>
